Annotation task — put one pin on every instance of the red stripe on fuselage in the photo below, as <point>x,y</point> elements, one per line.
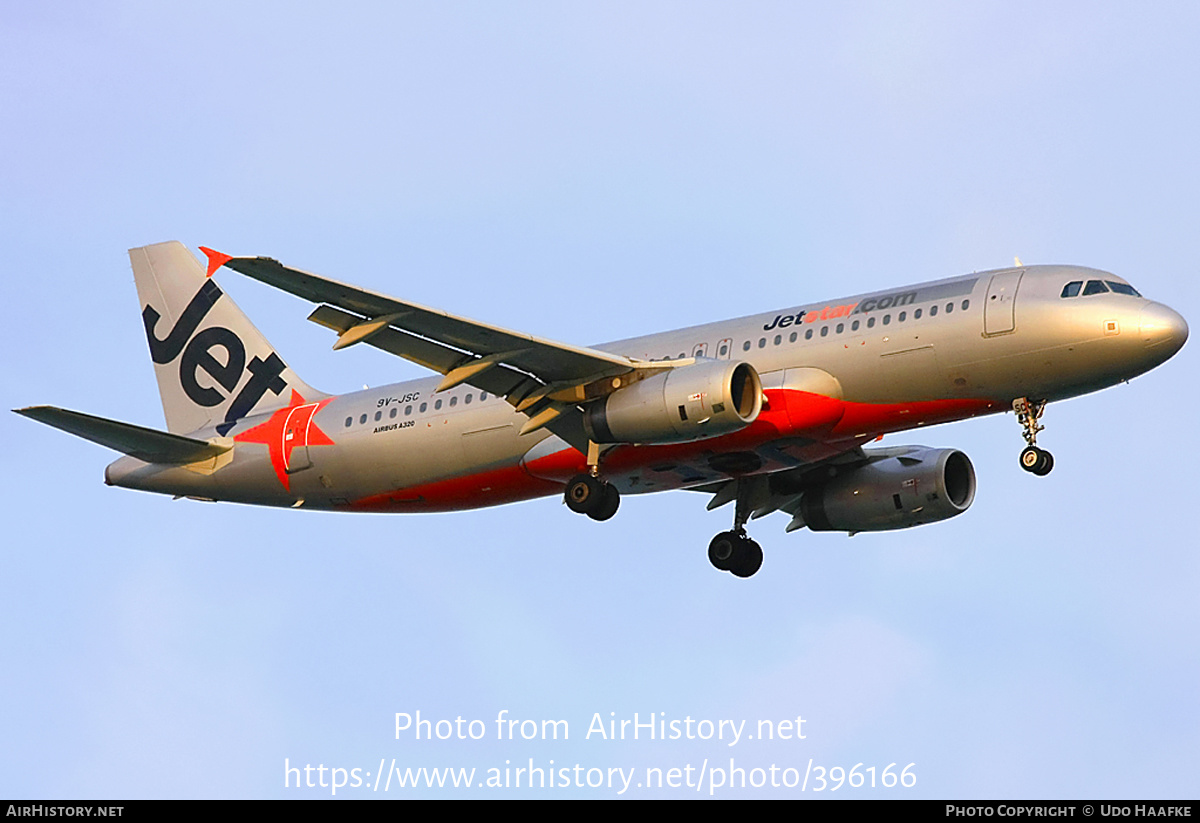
<point>833,426</point>
<point>883,418</point>
<point>473,491</point>
<point>817,427</point>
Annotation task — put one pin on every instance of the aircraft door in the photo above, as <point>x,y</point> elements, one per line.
<point>295,438</point>
<point>724,348</point>
<point>700,350</point>
<point>1000,307</point>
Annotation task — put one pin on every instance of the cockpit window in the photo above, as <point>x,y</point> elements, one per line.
<point>1122,288</point>
<point>1094,287</point>
<point>1072,288</point>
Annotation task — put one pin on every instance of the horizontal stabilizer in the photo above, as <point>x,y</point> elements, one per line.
<point>145,444</point>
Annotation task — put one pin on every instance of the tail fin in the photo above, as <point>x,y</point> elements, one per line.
<point>213,366</point>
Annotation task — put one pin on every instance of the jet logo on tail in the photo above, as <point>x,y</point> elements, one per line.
<point>195,353</point>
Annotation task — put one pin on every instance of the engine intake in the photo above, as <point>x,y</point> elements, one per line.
<point>706,399</point>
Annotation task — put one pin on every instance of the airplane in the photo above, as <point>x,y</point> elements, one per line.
<point>771,412</point>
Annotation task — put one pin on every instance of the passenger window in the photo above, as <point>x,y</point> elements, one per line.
<point>854,326</point>
<point>362,420</point>
<point>933,311</point>
<point>949,308</point>
<point>395,411</point>
<point>762,342</point>
<point>407,411</point>
<point>1072,289</point>
<point>378,416</point>
<point>454,401</point>
<point>808,335</point>
<point>467,399</point>
<point>424,406</point>
<point>778,339</point>
<point>870,322</point>
<point>917,314</point>
<point>746,346</point>
<point>824,331</point>
<point>841,327</point>
<point>792,337</point>
<point>903,315</point>
<point>887,318</point>
<point>349,420</point>
<point>966,305</point>
<point>437,404</point>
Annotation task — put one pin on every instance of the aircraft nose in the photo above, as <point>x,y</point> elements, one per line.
<point>1163,329</point>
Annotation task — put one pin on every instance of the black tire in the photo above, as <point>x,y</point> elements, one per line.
<point>1046,464</point>
<point>749,559</point>
<point>583,493</point>
<point>723,550</point>
<point>608,501</point>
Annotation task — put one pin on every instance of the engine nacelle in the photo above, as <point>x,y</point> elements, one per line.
<point>706,399</point>
<point>902,487</point>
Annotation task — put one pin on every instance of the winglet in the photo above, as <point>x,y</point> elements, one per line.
<point>215,259</point>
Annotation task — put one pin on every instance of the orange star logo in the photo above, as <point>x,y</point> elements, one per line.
<point>287,429</point>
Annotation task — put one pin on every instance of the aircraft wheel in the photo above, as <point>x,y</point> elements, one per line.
<point>607,503</point>
<point>1037,461</point>
<point>584,493</point>
<point>1047,464</point>
<point>749,558</point>
<point>723,549</point>
<point>1030,458</point>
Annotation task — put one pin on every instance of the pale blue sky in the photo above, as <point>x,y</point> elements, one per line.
<point>589,172</point>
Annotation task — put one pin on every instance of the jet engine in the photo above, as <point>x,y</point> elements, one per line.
<point>706,399</point>
<point>899,488</point>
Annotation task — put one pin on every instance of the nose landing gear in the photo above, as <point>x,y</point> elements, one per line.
<point>1034,460</point>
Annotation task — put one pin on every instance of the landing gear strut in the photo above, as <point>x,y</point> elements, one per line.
<point>588,494</point>
<point>734,551</point>
<point>1034,460</point>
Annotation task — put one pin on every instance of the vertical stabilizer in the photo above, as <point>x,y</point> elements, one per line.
<point>213,366</point>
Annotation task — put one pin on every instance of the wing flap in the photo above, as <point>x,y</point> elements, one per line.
<point>150,445</point>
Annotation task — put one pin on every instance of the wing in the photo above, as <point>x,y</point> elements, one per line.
<point>544,379</point>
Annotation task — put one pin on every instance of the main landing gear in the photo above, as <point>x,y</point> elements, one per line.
<point>1034,460</point>
<point>734,551</point>
<point>592,496</point>
<point>588,494</point>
